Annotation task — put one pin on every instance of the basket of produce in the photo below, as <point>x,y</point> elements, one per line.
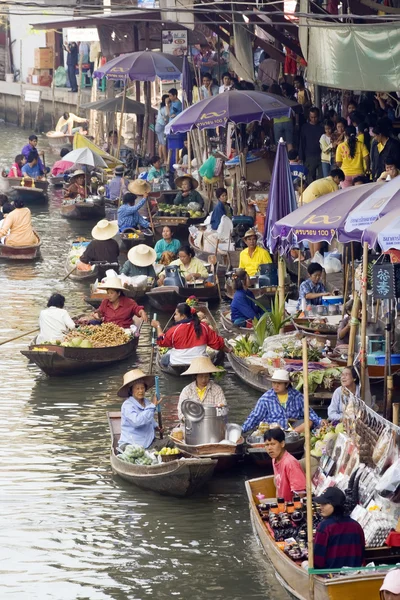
<point>168,454</point>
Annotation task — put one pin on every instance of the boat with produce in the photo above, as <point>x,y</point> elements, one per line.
<point>319,328</point>
<point>21,252</point>
<point>166,297</point>
<point>92,208</point>
<point>86,348</point>
<point>98,269</point>
<point>178,219</point>
<point>133,237</point>
<point>217,358</point>
<point>178,477</point>
<point>264,295</point>
<point>25,188</point>
<point>135,293</point>
<point>290,574</point>
<point>226,455</point>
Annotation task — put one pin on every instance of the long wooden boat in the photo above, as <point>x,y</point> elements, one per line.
<point>138,294</point>
<point>374,371</point>
<point>227,455</point>
<point>21,187</point>
<point>291,575</point>
<point>228,326</point>
<point>60,361</point>
<point>218,358</point>
<point>166,297</point>
<point>57,139</point>
<point>258,378</point>
<point>56,181</point>
<point>181,477</point>
<point>260,457</point>
<point>128,242</point>
<point>322,332</point>
<point>21,252</point>
<point>263,294</point>
<point>83,210</point>
<point>11,182</point>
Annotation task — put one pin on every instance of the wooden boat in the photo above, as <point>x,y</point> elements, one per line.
<point>21,187</point>
<point>258,378</point>
<point>226,455</point>
<point>322,332</point>
<point>166,297</point>
<point>291,575</point>
<point>374,371</point>
<point>178,225</point>
<point>82,141</point>
<point>137,294</point>
<point>60,361</point>
<point>227,324</point>
<point>181,477</point>
<point>260,457</point>
<point>83,210</point>
<point>265,295</point>
<point>57,139</point>
<point>129,242</point>
<point>56,181</point>
<point>21,252</point>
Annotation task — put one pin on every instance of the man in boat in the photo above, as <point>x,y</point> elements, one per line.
<point>31,146</point>
<point>117,308</point>
<point>66,122</point>
<point>138,424</point>
<point>141,259</point>
<point>289,476</point>
<point>103,248</point>
<point>129,216</point>
<point>62,166</point>
<point>118,186</point>
<point>339,540</point>
<point>278,404</point>
<point>253,256</point>
<point>31,167</point>
<point>17,227</point>
<point>54,321</point>
<point>312,289</point>
<point>203,389</point>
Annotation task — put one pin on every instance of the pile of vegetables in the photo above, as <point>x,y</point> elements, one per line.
<point>293,349</point>
<point>245,345</point>
<point>136,455</point>
<point>323,439</point>
<point>169,210</point>
<point>324,377</point>
<point>96,336</point>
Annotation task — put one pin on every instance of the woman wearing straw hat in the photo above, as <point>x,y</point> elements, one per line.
<point>140,262</point>
<point>202,389</point>
<point>188,193</point>
<point>77,185</point>
<point>102,248</point>
<point>137,413</point>
<point>279,404</point>
<point>117,308</point>
<point>128,213</point>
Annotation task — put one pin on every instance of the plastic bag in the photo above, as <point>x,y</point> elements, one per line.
<point>207,169</point>
<point>318,258</point>
<point>332,264</point>
<point>389,485</point>
<point>60,77</point>
<point>384,453</point>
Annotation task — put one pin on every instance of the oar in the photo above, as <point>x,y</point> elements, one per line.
<point>70,273</point>
<point>153,344</point>
<point>159,416</point>
<point>151,217</point>
<point>19,336</point>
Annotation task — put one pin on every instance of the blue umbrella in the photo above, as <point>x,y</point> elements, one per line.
<point>281,197</point>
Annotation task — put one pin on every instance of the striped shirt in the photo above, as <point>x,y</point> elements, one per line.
<point>213,395</point>
<point>339,542</point>
<point>308,287</point>
<point>270,410</point>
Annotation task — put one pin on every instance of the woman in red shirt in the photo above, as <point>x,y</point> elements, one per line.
<point>17,165</point>
<point>188,339</point>
<point>117,308</point>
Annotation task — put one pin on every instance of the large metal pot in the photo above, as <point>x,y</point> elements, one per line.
<point>204,423</point>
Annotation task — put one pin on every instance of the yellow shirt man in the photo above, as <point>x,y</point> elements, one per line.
<point>318,188</point>
<point>251,264</point>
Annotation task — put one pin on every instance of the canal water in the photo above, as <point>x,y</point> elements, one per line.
<point>69,529</point>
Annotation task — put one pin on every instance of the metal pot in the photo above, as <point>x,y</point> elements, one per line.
<point>204,423</point>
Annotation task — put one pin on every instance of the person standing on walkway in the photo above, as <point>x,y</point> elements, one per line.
<point>72,63</point>
<point>310,150</point>
<point>352,157</point>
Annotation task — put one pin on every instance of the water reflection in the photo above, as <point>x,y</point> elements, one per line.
<point>69,529</point>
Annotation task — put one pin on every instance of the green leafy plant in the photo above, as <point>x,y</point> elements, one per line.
<point>262,328</point>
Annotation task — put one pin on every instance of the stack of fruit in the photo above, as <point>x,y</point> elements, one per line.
<point>168,454</point>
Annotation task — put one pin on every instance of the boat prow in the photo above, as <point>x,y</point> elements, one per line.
<point>21,252</point>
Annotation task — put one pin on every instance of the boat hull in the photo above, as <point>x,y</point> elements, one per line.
<point>228,326</point>
<point>165,298</point>
<point>83,211</point>
<point>57,181</point>
<point>20,252</point>
<point>96,298</point>
<point>374,371</point>
<point>178,478</point>
<point>61,361</point>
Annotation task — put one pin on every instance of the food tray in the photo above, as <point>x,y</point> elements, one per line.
<point>170,457</point>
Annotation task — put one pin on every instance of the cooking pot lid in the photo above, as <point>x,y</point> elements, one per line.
<point>192,410</point>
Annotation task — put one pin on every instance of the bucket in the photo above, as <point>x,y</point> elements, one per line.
<point>394,359</point>
<point>326,300</point>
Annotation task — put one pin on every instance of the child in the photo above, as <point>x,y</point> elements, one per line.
<point>297,170</point>
<point>325,143</point>
<point>289,477</point>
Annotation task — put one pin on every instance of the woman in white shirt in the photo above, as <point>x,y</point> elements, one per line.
<point>54,321</point>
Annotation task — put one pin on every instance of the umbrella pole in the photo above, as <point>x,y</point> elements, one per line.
<point>388,386</point>
<point>345,277</point>
<point>122,118</point>
<point>281,284</point>
<point>364,319</point>
<point>352,269</point>
<point>189,154</point>
<point>353,329</point>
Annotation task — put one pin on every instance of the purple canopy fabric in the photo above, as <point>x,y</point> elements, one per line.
<point>281,198</point>
<point>140,66</point>
<point>236,106</point>
<point>384,231</point>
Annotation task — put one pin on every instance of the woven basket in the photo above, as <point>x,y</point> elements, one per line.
<point>169,457</point>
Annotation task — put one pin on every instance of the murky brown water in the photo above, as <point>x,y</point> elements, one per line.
<point>69,529</point>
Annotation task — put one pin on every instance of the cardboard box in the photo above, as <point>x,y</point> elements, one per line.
<point>43,80</point>
<point>43,58</point>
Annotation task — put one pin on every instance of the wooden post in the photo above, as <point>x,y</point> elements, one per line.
<point>281,283</point>
<point>353,329</point>
<point>189,154</point>
<point>353,279</point>
<point>53,92</point>
<point>396,408</point>
<point>346,280</point>
<point>364,298</point>
<point>310,541</point>
<point>22,106</point>
<point>147,104</point>
<point>35,127</point>
<point>388,379</point>
<point>78,102</point>
<point>121,118</point>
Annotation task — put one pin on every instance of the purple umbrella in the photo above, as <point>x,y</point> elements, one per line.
<point>385,232</point>
<point>281,197</point>
<point>236,106</point>
<point>140,66</point>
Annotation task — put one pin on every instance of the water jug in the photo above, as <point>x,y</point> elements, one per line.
<point>173,276</point>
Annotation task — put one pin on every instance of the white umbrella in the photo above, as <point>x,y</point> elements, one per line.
<point>85,156</point>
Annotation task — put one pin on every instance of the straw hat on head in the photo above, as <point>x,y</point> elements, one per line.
<point>280,376</point>
<point>130,377</point>
<point>139,187</point>
<point>142,255</point>
<point>111,283</point>
<point>105,230</point>
<point>200,365</point>
<point>76,174</point>
<point>179,181</point>
<point>249,233</point>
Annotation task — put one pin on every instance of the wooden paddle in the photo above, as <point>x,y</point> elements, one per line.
<point>19,336</point>
<point>70,273</point>
<point>213,260</point>
<point>153,345</point>
<point>151,217</point>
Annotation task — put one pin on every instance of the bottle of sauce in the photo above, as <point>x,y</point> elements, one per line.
<point>297,503</point>
<point>274,509</point>
<point>281,505</point>
<point>290,508</point>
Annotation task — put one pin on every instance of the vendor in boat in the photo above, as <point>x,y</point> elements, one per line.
<point>141,259</point>
<point>390,589</point>
<point>129,216</point>
<point>190,267</point>
<point>156,170</point>
<point>117,308</point>
<point>118,186</point>
<point>222,208</point>
<point>54,321</point>
<point>137,413</point>
<point>289,476</point>
<point>243,306</point>
<point>312,289</point>
<point>202,389</point>
<point>188,338</point>
<point>16,167</point>
<point>350,385</point>
<point>31,168</point>
<point>188,193</point>
<point>17,226</point>
<point>167,244</point>
<point>65,123</point>
<point>103,248</point>
<point>31,146</point>
<point>279,404</point>
<point>62,166</point>
<point>77,185</point>
<point>253,256</point>
<point>339,540</point>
